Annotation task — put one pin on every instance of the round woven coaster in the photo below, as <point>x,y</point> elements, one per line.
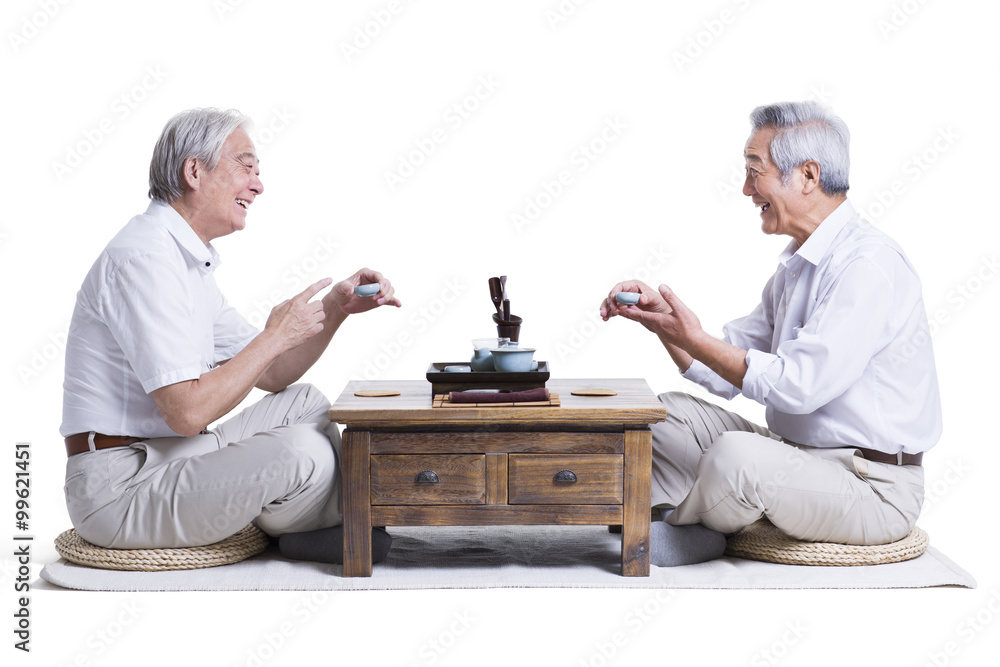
<point>248,542</point>
<point>763,541</point>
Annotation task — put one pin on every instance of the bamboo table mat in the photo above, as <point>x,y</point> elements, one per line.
<point>441,401</point>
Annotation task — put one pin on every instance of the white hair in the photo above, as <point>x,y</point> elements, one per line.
<point>807,131</point>
<point>197,133</point>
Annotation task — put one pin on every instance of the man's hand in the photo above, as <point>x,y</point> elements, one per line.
<point>679,329</point>
<point>343,298</point>
<point>298,319</point>
<point>671,320</point>
<point>649,301</point>
<point>660,311</point>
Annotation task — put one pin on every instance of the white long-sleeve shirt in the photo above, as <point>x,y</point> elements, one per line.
<point>839,350</point>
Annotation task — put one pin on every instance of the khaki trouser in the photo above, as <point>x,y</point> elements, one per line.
<point>275,463</point>
<point>725,472</point>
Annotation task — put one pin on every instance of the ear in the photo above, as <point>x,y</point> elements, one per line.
<point>810,176</point>
<point>191,173</point>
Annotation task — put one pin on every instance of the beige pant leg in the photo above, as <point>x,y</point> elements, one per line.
<point>276,462</point>
<point>810,493</point>
<point>691,426</point>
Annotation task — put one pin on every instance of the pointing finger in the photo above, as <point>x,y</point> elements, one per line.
<point>314,289</point>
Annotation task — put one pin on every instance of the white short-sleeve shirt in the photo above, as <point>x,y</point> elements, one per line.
<point>148,314</point>
<point>839,349</point>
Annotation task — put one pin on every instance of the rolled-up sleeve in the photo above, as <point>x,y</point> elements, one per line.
<point>702,375</point>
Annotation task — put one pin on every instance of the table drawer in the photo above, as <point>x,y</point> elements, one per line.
<point>584,479</point>
<point>428,479</point>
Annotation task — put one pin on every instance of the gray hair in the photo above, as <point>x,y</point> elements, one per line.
<point>807,131</point>
<point>197,133</point>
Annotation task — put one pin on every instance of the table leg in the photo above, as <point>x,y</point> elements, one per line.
<point>635,528</point>
<point>356,482</point>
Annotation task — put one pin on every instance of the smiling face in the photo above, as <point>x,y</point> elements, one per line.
<point>777,201</point>
<point>225,193</point>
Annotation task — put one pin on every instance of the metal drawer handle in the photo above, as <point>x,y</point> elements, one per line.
<point>428,477</point>
<point>565,477</point>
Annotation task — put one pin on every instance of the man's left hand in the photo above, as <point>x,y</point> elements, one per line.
<point>342,295</point>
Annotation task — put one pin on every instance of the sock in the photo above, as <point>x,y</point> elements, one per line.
<point>326,545</point>
<point>683,545</point>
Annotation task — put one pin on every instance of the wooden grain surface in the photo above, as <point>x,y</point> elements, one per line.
<point>599,479</point>
<point>635,528</point>
<point>635,403</point>
<point>496,479</point>
<point>443,401</point>
<point>462,479</point>
<point>392,429</point>
<point>357,505</point>
<point>496,515</point>
<point>478,442</point>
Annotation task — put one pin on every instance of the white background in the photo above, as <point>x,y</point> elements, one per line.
<point>88,87</point>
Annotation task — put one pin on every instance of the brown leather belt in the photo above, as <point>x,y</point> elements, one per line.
<point>895,459</point>
<point>80,442</point>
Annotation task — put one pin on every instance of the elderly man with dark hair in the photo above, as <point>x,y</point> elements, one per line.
<point>155,355</point>
<point>838,351</point>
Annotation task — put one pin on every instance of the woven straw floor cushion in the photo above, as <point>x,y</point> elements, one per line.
<point>248,542</point>
<point>763,541</point>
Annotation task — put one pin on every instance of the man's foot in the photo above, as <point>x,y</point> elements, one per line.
<point>683,545</point>
<point>326,545</point>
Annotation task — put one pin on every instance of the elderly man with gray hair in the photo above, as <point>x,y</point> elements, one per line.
<point>155,355</point>
<point>837,351</point>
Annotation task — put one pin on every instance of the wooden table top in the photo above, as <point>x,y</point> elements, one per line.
<point>635,403</point>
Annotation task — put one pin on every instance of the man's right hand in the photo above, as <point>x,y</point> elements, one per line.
<point>298,319</point>
<point>652,312</point>
<point>650,300</point>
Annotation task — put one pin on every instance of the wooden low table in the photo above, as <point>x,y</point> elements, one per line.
<point>585,462</point>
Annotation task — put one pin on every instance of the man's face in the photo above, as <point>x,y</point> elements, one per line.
<point>763,185</point>
<point>230,188</point>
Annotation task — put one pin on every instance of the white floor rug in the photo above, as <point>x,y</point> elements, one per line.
<point>510,557</point>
